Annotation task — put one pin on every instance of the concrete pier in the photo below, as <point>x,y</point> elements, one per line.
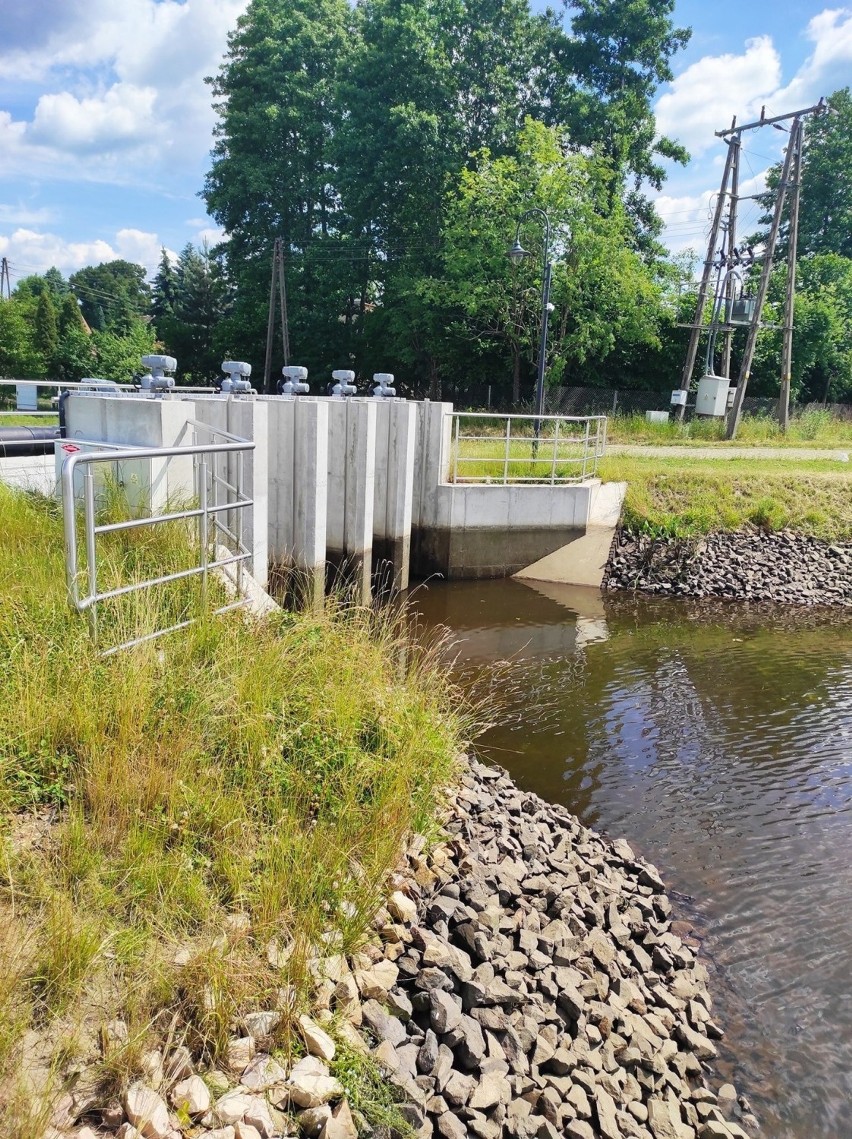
<point>351,490</point>
<point>360,485</point>
<point>396,438</point>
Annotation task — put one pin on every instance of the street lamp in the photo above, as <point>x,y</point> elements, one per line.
<point>518,253</point>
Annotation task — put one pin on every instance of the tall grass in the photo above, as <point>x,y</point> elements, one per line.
<point>816,427</point>
<point>682,497</point>
<point>235,786</point>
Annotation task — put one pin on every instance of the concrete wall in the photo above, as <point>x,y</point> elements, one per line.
<point>494,531</point>
<point>470,531</point>
<point>146,483</point>
<point>155,484</point>
<point>354,482</point>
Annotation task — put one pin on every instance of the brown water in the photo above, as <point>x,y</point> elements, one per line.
<point>719,742</point>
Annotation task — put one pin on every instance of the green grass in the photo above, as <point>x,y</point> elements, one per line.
<point>262,769</point>
<point>30,420</point>
<point>680,497</point>
<point>810,429</point>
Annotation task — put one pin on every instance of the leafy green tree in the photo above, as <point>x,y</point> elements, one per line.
<point>75,354</point>
<point>609,64</point>
<point>200,304</point>
<point>271,174</point>
<point>164,290</point>
<point>822,332</point>
<point>603,295</point>
<point>113,294</point>
<point>46,331</point>
<point>18,356</point>
<point>117,357</point>
<point>825,209</point>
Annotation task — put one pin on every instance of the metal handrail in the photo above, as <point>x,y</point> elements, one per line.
<point>544,448</point>
<point>205,512</point>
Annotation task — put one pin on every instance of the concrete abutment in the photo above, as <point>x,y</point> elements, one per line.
<point>360,484</point>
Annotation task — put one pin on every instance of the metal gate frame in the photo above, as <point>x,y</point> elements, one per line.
<point>209,525</point>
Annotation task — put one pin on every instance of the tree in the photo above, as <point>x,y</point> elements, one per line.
<point>822,332</point>
<point>341,128</point>
<point>602,293</point>
<point>113,294</point>
<point>18,357</point>
<point>117,357</point>
<point>825,210</point>
<point>271,174</point>
<point>200,304</point>
<point>46,331</point>
<point>609,65</point>
<point>163,290</point>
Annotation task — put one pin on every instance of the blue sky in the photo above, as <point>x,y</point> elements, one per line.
<point>105,120</point>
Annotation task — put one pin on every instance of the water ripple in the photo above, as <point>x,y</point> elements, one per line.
<point>720,743</point>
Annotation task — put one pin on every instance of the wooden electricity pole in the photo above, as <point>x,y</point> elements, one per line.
<point>795,145</point>
<point>732,244</point>
<point>278,280</point>
<point>696,327</point>
<point>794,148</point>
<point>766,271</point>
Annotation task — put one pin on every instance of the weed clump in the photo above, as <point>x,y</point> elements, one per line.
<point>223,805</point>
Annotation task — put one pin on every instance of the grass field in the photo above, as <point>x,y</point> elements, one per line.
<point>810,429</point>
<point>30,420</point>
<point>680,497</point>
<point>225,791</point>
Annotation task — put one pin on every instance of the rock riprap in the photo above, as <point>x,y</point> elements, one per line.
<point>743,566</point>
<point>541,989</point>
<point>524,981</point>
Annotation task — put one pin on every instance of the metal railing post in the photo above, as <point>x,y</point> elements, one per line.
<point>555,450</point>
<point>204,526</point>
<point>91,552</point>
<point>508,448</point>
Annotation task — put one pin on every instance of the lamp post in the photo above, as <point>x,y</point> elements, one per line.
<point>517,253</point>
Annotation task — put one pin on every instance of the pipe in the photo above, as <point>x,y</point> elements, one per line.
<point>19,441</point>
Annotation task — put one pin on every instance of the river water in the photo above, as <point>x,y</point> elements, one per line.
<point>719,742</point>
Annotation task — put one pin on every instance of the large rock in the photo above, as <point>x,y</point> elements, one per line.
<point>311,1085</point>
<point>317,1041</point>
<point>147,1112</point>
<point>191,1095</point>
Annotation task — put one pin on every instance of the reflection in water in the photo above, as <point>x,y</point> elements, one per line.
<point>719,741</point>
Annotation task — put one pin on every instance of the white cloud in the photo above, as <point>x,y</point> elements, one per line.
<point>123,116</point>
<point>20,214</point>
<point>124,90</point>
<point>34,251</point>
<point>828,67</point>
<point>705,97</point>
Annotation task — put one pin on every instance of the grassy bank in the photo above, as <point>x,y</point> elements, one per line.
<point>810,429</point>
<point>186,824</point>
<point>681,498</point>
<point>23,420</point>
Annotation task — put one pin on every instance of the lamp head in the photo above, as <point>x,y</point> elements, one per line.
<point>517,252</point>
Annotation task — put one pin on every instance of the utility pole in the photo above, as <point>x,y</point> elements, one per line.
<point>795,145</point>
<point>793,148</point>
<point>768,256</point>
<point>277,280</point>
<point>5,281</point>
<point>696,327</point>
<point>732,245</point>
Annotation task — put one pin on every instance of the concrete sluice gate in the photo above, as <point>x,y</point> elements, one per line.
<point>356,485</point>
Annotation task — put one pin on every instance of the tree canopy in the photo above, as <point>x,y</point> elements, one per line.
<point>353,134</point>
